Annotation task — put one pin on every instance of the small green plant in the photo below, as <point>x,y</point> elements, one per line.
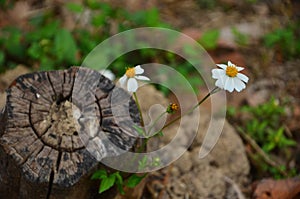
<point>240,38</point>
<point>48,45</point>
<point>109,180</point>
<point>265,125</point>
<point>262,168</point>
<point>285,41</point>
<point>209,39</point>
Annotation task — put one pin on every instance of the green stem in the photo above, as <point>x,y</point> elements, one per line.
<point>139,107</point>
<point>193,108</point>
<point>155,121</point>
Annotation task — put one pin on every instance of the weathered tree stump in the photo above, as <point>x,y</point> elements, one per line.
<point>55,128</point>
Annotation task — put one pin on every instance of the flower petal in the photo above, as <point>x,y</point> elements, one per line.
<point>138,70</point>
<point>219,83</point>
<point>132,85</point>
<point>122,80</point>
<point>229,84</point>
<point>223,66</point>
<point>140,77</point>
<point>243,77</point>
<point>107,73</point>
<point>238,84</point>
<point>217,73</point>
<point>239,68</point>
<point>230,64</point>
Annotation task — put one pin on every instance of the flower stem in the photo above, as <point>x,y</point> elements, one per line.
<point>155,121</point>
<point>216,89</point>
<point>139,107</point>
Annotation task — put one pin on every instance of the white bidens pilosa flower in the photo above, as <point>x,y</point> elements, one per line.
<point>229,78</point>
<point>131,75</point>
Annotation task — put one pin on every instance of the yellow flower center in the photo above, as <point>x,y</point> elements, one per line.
<point>231,71</point>
<point>130,72</point>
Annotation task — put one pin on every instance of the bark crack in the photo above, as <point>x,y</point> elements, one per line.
<point>50,184</point>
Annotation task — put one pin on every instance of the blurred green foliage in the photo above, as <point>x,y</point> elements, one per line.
<point>285,41</point>
<point>209,39</point>
<point>265,124</point>
<point>240,38</point>
<point>47,45</point>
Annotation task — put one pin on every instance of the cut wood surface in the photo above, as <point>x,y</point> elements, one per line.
<point>56,127</point>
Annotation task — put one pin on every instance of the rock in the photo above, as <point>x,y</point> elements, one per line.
<point>261,91</point>
<point>7,78</point>
<point>184,163</point>
<point>192,177</point>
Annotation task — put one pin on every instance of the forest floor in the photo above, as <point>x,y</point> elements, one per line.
<point>236,168</point>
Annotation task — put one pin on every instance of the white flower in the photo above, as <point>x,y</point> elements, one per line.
<point>131,75</point>
<point>229,78</point>
<point>107,73</point>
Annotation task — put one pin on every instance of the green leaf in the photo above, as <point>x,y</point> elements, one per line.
<point>289,142</point>
<point>86,41</point>
<point>65,46</point>
<point>107,183</point>
<point>231,111</point>
<point>143,163</point>
<point>119,182</point>
<point>75,7</point>
<point>35,51</point>
<point>152,17</point>
<point>13,42</point>
<point>134,180</point>
<point>46,31</point>
<point>269,146</point>
<point>47,64</point>
<point>99,20</point>
<point>100,174</point>
<point>272,38</point>
<point>93,4</point>
<point>240,38</point>
<point>209,39</point>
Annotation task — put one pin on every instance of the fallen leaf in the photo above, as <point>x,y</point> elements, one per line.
<point>277,189</point>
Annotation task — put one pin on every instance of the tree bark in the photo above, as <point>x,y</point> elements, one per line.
<point>55,128</point>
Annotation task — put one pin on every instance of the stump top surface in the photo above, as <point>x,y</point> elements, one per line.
<point>61,123</point>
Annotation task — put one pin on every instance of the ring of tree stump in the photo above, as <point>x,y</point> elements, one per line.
<point>59,124</point>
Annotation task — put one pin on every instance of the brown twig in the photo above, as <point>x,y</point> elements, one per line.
<point>257,148</point>
<point>235,186</point>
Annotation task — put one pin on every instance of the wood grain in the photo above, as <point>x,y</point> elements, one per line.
<point>57,126</point>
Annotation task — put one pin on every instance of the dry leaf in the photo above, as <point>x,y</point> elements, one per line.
<point>277,189</point>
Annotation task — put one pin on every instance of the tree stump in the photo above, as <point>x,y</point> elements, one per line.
<point>55,128</point>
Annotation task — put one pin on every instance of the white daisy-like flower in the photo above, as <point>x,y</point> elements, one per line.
<point>131,76</point>
<point>107,73</point>
<point>229,78</point>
